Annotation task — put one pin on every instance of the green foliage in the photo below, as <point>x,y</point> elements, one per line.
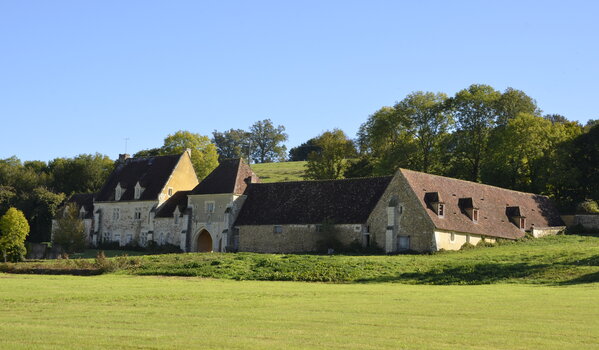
<point>329,238</point>
<point>70,230</point>
<point>85,173</point>
<point>330,162</point>
<point>203,152</point>
<point>14,229</point>
<point>589,206</point>
<point>234,143</point>
<point>301,152</point>
<point>267,142</point>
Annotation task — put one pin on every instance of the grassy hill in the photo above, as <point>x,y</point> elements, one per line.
<point>552,260</point>
<point>277,172</point>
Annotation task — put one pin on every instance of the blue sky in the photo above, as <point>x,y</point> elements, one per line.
<point>81,76</point>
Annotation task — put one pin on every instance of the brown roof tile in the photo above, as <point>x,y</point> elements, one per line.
<point>491,201</point>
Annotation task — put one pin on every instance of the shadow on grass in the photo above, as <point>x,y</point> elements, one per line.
<point>584,279</point>
<point>475,274</point>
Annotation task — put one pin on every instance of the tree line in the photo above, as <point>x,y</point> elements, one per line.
<point>480,134</point>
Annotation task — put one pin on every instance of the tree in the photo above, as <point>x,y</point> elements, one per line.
<point>40,207</point>
<point>14,229</point>
<point>475,113</point>
<point>203,152</point>
<point>331,161</point>
<point>234,143</point>
<point>85,173</point>
<point>301,152</point>
<point>386,139</point>
<point>513,102</point>
<point>152,152</point>
<point>70,230</point>
<point>266,142</point>
<point>426,119</point>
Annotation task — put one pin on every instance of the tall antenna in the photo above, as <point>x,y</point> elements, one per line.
<point>126,140</point>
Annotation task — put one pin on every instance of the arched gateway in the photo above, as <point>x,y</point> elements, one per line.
<point>204,243</point>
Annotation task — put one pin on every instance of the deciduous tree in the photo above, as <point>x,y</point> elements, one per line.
<point>14,229</point>
<point>330,161</point>
<point>70,230</point>
<point>267,142</point>
<point>203,152</point>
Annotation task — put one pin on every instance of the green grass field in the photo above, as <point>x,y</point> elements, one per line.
<point>277,172</point>
<point>554,260</point>
<point>132,312</point>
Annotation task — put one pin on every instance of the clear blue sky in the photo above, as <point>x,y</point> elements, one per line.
<point>81,76</point>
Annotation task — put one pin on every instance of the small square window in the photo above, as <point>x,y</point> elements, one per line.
<point>278,229</point>
<point>137,214</point>
<point>318,228</point>
<point>209,207</point>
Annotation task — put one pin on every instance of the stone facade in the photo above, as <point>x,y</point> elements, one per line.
<point>399,216</point>
<point>294,238</point>
<point>214,214</point>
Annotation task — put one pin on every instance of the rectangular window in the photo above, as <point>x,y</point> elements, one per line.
<point>522,223</point>
<point>209,207</point>
<point>403,242</point>
<point>475,215</point>
<point>137,214</point>
<point>129,238</point>
<point>318,227</point>
<point>176,218</point>
<point>116,213</point>
<point>278,229</point>
<point>170,191</point>
<point>441,211</point>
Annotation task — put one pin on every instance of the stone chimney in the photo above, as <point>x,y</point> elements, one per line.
<point>123,158</point>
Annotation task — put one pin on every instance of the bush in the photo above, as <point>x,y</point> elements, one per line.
<point>484,243</point>
<point>70,230</point>
<point>589,206</point>
<point>467,246</point>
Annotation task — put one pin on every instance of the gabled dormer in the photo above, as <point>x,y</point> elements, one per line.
<point>516,216</point>
<point>138,191</point>
<point>434,201</point>
<point>82,213</point>
<point>118,192</point>
<point>469,207</point>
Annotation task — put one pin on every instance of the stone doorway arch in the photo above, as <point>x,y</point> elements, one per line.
<point>204,242</point>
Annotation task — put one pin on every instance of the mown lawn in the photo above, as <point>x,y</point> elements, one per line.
<point>277,172</point>
<point>554,260</point>
<point>132,312</point>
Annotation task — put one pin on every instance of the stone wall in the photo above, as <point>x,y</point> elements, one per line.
<point>217,223</point>
<point>293,238</point>
<point>546,231</point>
<point>399,214</point>
<point>589,221</point>
<point>126,228</point>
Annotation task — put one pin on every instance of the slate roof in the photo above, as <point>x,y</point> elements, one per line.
<point>229,177</point>
<point>179,199</point>
<point>348,201</point>
<point>492,203</point>
<point>85,200</point>
<point>152,174</point>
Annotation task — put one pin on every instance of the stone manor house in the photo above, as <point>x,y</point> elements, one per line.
<point>160,199</point>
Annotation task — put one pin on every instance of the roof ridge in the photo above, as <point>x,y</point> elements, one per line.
<point>324,180</point>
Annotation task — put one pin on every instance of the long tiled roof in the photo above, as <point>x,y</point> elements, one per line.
<point>347,201</point>
<point>492,203</point>
<point>231,176</point>
<point>152,174</point>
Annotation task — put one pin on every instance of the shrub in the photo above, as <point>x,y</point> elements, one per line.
<point>589,206</point>
<point>467,246</point>
<point>14,228</point>
<point>70,230</point>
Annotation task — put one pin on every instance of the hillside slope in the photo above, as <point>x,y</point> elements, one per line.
<point>278,172</point>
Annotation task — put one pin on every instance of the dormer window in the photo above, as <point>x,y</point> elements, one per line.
<point>138,190</point>
<point>118,192</point>
<point>516,217</point>
<point>82,213</point>
<point>469,208</point>
<point>433,201</point>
